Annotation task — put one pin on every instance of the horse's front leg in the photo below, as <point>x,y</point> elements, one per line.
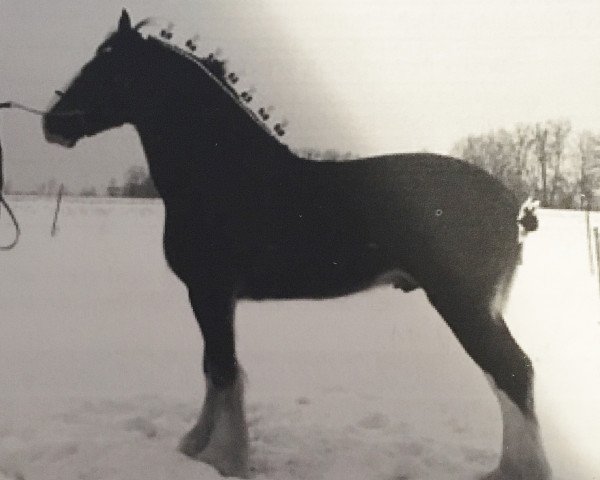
<point>220,437</point>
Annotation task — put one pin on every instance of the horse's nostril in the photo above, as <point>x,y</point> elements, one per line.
<point>59,93</point>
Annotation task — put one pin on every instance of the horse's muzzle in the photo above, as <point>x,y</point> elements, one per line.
<point>63,128</point>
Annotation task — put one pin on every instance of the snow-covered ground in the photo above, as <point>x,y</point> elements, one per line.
<point>101,363</point>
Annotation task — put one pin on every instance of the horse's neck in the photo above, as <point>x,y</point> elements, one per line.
<point>189,142</point>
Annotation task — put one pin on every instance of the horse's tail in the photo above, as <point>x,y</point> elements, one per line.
<point>527,216</point>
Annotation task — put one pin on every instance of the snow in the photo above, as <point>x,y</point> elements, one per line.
<point>101,363</point>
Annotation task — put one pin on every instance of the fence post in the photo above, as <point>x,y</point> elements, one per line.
<point>589,240</point>
<point>597,248</point>
<point>55,220</point>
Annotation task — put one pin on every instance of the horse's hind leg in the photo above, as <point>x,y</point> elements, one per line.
<point>486,338</point>
<point>220,436</point>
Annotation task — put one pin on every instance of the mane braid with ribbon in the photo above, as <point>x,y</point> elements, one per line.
<point>215,69</point>
<point>205,65</point>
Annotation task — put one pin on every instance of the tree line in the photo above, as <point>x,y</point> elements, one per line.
<point>546,161</point>
<point>137,183</point>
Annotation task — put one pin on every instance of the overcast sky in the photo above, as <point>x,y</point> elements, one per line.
<point>369,76</point>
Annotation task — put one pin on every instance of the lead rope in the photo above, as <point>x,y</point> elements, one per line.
<point>3,202</point>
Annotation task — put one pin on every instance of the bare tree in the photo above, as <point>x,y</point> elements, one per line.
<point>329,155</point>
<point>41,189</point>
<point>88,192</point>
<point>113,190</point>
<point>559,131</point>
<point>588,146</point>
<point>537,160</point>
<point>524,139</point>
<point>503,154</point>
<point>138,183</point>
<point>541,151</point>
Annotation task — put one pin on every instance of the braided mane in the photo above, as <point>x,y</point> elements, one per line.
<point>216,69</point>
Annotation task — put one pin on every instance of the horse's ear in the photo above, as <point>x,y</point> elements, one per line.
<point>124,22</point>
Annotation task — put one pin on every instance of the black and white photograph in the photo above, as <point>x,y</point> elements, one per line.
<point>276,240</point>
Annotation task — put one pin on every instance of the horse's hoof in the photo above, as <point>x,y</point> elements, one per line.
<point>193,442</point>
<point>226,465</point>
<point>229,462</point>
<point>189,447</point>
<point>537,473</point>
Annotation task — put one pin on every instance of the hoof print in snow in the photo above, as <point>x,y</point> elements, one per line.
<point>412,448</point>
<point>477,455</point>
<point>141,425</point>
<point>457,426</point>
<point>374,421</point>
<point>12,476</point>
<point>303,401</point>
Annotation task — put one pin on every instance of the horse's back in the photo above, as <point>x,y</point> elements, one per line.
<point>423,195</point>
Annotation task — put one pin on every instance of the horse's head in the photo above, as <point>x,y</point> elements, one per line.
<point>103,94</point>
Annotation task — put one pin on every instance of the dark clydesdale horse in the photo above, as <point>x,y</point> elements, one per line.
<point>248,219</point>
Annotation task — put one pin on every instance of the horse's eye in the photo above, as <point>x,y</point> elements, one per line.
<point>104,50</point>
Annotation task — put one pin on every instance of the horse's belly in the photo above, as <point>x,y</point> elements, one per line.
<point>324,275</point>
